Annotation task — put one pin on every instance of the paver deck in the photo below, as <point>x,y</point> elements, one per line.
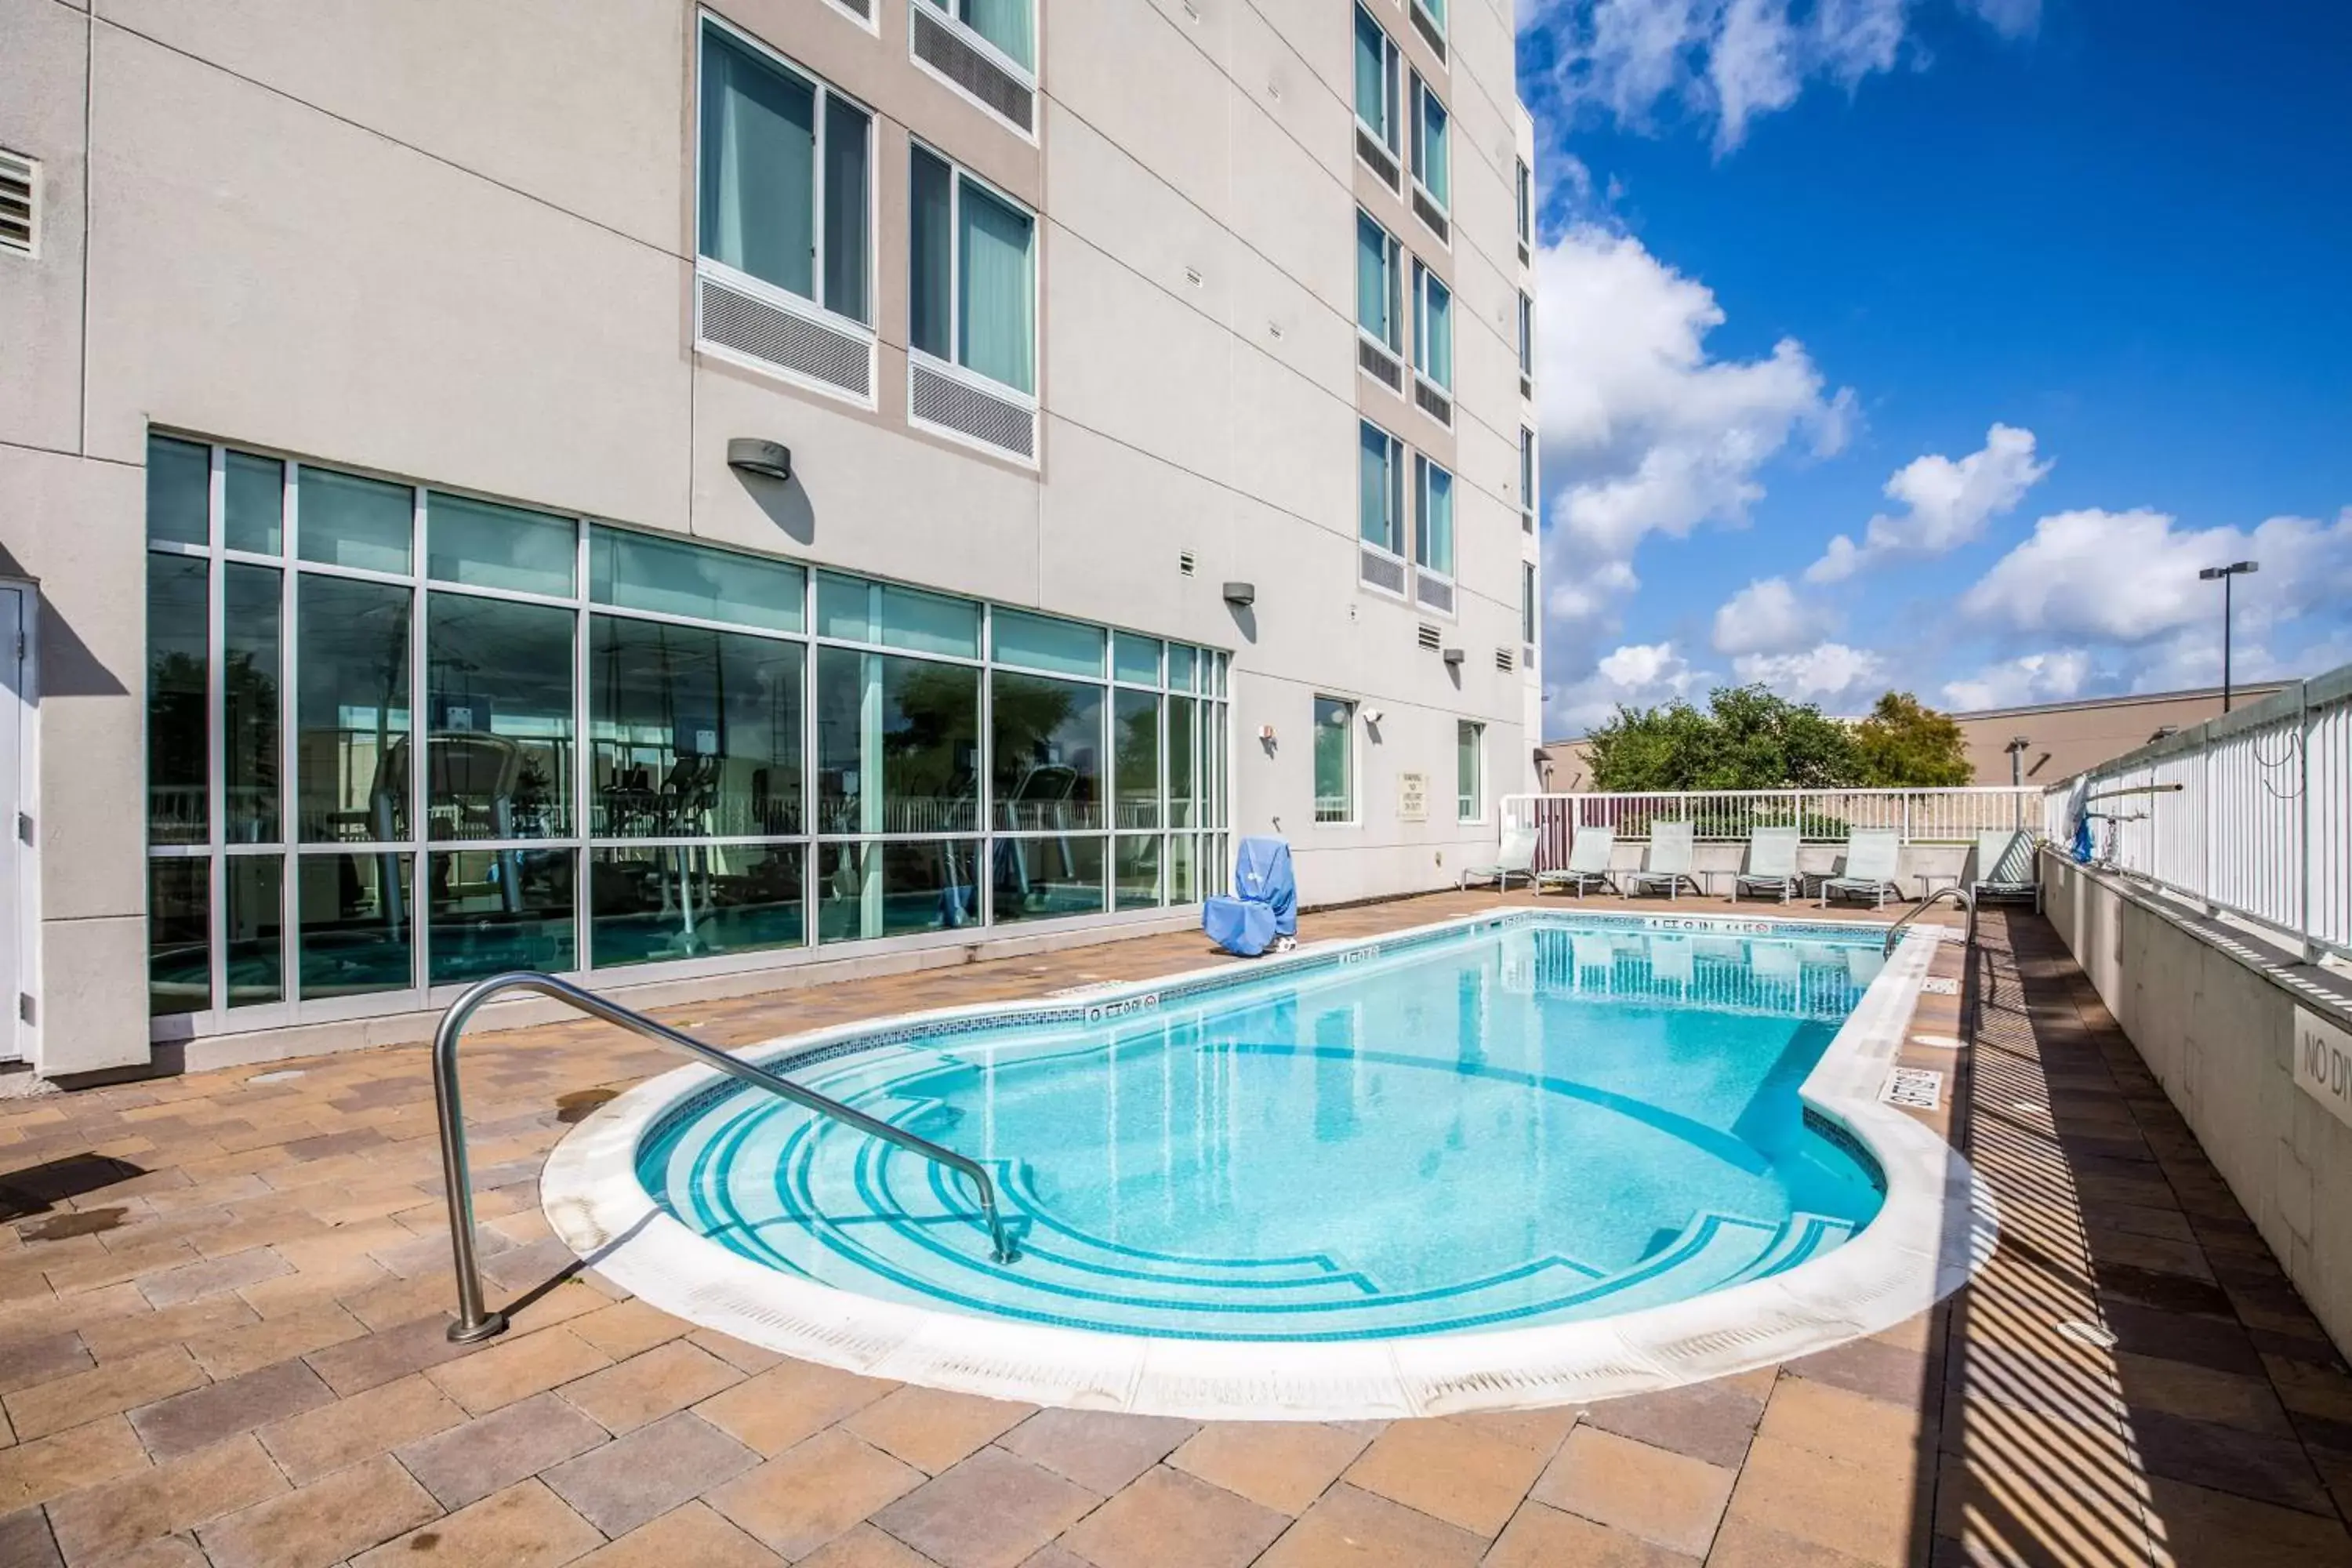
<point>221,1298</point>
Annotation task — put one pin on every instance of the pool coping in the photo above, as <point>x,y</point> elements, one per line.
<point>1935,1225</point>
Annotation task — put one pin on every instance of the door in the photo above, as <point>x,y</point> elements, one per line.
<point>17,918</point>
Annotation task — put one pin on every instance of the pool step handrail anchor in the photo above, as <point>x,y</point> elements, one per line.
<point>1958,894</point>
<point>473,1321</point>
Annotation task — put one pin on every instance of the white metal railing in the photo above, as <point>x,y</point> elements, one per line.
<point>2250,814</point>
<point>1821,816</point>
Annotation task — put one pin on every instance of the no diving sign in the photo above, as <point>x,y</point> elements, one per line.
<point>2323,1063</point>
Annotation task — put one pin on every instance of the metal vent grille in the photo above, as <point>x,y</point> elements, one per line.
<point>1381,570</point>
<point>1434,592</point>
<point>1434,403</point>
<point>860,7</point>
<point>1526,387</point>
<point>1377,158</point>
<point>1528,521</point>
<point>1427,28</point>
<point>1527,656</point>
<point>1429,636</point>
<point>1430,218</point>
<point>941,47</point>
<point>20,189</point>
<point>952,404</point>
<point>1523,252</point>
<point>1503,660</point>
<point>1379,364</point>
<point>1186,562</point>
<point>734,320</point>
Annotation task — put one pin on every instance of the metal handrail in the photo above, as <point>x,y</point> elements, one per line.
<point>476,1323</point>
<point>1958,894</point>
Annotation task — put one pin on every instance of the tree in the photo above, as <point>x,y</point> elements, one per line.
<point>1904,744</point>
<point>1748,739</point>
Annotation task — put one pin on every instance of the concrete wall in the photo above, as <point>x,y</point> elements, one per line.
<point>453,244</point>
<point>2211,1012</point>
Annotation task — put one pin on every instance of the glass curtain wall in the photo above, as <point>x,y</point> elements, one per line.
<point>399,738</point>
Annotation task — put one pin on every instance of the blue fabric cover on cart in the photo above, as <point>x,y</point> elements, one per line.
<point>1262,874</point>
<point>1241,928</point>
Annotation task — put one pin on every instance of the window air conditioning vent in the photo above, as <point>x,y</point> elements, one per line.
<point>1379,364</point>
<point>957,406</point>
<point>1528,521</point>
<point>736,320</point>
<point>1382,572</point>
<point>1503,660</point>
<point>1377,158</point>
<point>1427,28</point>
<point>1187,563</point>
<point>947,51</point>
<point>1527,656</point>
<point>1523,252</point>
<point>1434,592</point>
<point>20,198</point>
<point>1429,636</point>
<point>1434,403</point>
<point>1527,388</point>
<point>1430,218</point>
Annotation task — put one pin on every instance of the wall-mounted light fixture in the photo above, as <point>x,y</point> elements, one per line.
<point>1240,596</point>
<point>768,459</point>
<point>1373,716</point>
<point>1454,656</point>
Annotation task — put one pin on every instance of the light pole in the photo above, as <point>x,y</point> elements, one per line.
<point>2225,573</point>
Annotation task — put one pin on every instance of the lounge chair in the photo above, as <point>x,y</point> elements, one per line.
<point>1516,858</point>
<point>2005,867</point>
<point>1672,845</point>
<point>1871,855</point>
<point>1771,864</point>
<point>1588,863</point>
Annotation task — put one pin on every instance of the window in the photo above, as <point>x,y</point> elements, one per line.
<point>1527,478</point>
<point>1469,763</point>
<point>1010,25</point>
<point>1380,286</point>
<point>1435,10</point>
<point>1526,336</point>
<point>1431,166</point>
<point>1524,186</point>
<point>1379,490</point>
<point>786,194</point>
<point>1376,81</point>
<point>1527,602</point>
<point>1433,543</point>
<point>1433,328</point>
<point>972,276</point>
<point>1335,760</point>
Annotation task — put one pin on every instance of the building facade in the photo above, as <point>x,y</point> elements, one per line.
<point>713,494</point>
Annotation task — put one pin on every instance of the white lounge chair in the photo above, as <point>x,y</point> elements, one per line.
<point>1515,857</point>
<point>1871,855</point>
<point>2005,867</point>
<point>1588,863</point>
<point>1771,864</point>
<point>1672,845</point>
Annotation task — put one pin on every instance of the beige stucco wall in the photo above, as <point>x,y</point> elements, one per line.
<point>453,244</point>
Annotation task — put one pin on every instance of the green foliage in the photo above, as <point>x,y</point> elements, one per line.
<point>1746,739</point>
<point>1905,744</point>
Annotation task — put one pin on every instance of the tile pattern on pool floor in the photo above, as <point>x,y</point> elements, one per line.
<point>221,1304</point>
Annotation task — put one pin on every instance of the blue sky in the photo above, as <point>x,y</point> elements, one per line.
<point>2042,304</point>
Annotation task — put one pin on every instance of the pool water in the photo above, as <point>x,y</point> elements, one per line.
<point>1537,1122</point>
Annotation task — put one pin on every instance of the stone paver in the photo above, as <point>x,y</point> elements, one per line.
<point>206,1360</point>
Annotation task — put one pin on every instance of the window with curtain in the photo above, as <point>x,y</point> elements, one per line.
<point>1010,24</point>
<point>971,275</point>
<point>1378,308</point>
<point>1430,163</point>
<point>1433,546</point>
<point>786,186</point>
<point>1433,328</point>
<point>1379,490</point>
<point>1375,79</point>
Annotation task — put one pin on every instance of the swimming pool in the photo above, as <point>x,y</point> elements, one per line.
<point>1525,1127</point>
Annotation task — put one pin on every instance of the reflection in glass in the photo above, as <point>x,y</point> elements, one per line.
<point>487,546</point>
<point>854,610</point>
<point>351,709</point>
<point>353,925</point>
<point>179,936</point>
<point>257,967</point>
<point>908,725</point>
<point>494,909</point>
<point>251,609</point>
<point>1135,765</point>
<point>656,903</point>
<point>177,658</point>
<point>1136,659</point>
<point>638,571</point>
<point>1335,760</point>
<point>255,504</point>
<point>1135,870</point>
<point>346,520</point>
<point>1046,753</point>
<point>1181,660</point>
<point>499,698</point>
<point>1183,788</point>
<point>692,732</point>
<point>1182,864</point>
<point>1041,642</point>
<point>179,491</point>
<point>1039,879</point>
<point>866,890</point>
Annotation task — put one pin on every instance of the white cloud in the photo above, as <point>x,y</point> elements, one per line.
<point>2010,18</point>
<point>1949,503</point>
<point>1767,616</point>
<point>1640,675</point>
<point>2051,677</point>
<point>1828,672</point>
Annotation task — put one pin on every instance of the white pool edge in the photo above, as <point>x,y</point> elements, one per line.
<point>1936,1224</point>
